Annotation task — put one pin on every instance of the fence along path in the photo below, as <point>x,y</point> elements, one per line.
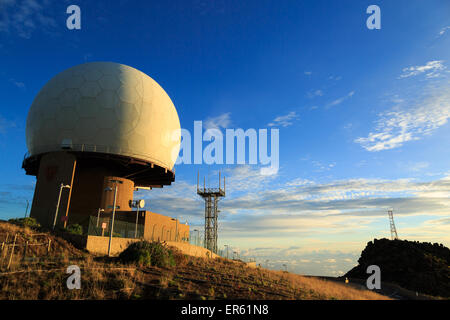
<point>8,245</point>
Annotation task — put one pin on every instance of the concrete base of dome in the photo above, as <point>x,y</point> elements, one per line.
<point>85,197</point>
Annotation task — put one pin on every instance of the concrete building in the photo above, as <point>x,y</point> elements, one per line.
<point>95,127</point>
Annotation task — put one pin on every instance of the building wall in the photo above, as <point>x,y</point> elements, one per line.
<point>124,193</point>
<point>99,245</point>
<point>162,228</point>
<point>89,192</point>
<point>86,195</point>
<point>55,168</point>
<point>192,250</point>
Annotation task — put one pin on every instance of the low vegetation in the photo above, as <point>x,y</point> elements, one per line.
<point>146,253</point>
<point>26,222</point>
<point>75,229</point>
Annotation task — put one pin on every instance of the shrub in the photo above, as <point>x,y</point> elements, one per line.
<point>75,229</point>
<point>26,222</point>
<point>148,254</point>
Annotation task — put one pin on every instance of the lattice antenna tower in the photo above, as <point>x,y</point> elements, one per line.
<point>211,197</point>
<point>394,235</point>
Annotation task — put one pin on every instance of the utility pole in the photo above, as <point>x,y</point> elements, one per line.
<point>113,213</point>
<point>26,210</point>
<point>62,186</point>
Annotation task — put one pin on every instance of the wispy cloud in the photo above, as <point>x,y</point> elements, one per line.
<point>18,84</point>
<point>5,124</point>
<point>395,127</point>
<point>336,78</point>
<point>431,69</point>
<point>22,17</point>
<point>285,120</point>
<point>316,93</point>
<point>221,121</point>
<point>321,166</point>
<point>309,203</point>
<point>443,31</point>
<point>418,166</point>
<point>260,213</point>
<point>340,100</point>
<point>307,73</point>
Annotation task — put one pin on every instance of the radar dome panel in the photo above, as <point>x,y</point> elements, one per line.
<point>105,106</point>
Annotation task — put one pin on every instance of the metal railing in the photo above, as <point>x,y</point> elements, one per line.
<point>95,149</point>
<point>122,229</point>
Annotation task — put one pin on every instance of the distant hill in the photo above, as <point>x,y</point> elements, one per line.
<point>417,266</point>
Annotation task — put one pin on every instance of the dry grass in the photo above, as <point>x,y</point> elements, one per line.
<point>191,278</point>
<point>331,290</point>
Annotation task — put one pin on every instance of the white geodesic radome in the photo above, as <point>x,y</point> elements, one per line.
<point>105,107</point>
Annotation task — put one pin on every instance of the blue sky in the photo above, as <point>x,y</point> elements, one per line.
<point>363,114</point>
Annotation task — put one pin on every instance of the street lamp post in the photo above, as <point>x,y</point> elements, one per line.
<point>198,237</point>
<point>62,186</point>
<point>137,204</point>
<point>227,249</point>
<point>176,229</point>
<point>137,219</point>
<point>113,214</point>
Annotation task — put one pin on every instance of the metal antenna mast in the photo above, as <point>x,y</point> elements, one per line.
<point>211,197</point>
<point>394,235</point>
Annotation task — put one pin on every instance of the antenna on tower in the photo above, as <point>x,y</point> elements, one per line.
<point>394,235</point>
<point>211,197</point>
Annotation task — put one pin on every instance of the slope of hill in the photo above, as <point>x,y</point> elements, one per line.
<point>40,273</point>
<point>421,267</point>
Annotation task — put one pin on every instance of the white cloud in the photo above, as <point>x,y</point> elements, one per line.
<point>340,100</point>
<point>334,78</point>
<point>443,31</point>
<point>316,93</point>
<point>261,214</point>
<point>431,69</point>
<point>418,166</point>
<point>396,127</point>
<point>320,166</point>
<point>22,17</point>
<point>6,124</point>
<point>284,121</point>
<point>308,73</point>
<point>256,204</point>
<point>221,121</point>
<point>18,84</point>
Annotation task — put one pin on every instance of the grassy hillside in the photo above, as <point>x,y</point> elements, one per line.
<point>421,267</point>
<point>40,274</point>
